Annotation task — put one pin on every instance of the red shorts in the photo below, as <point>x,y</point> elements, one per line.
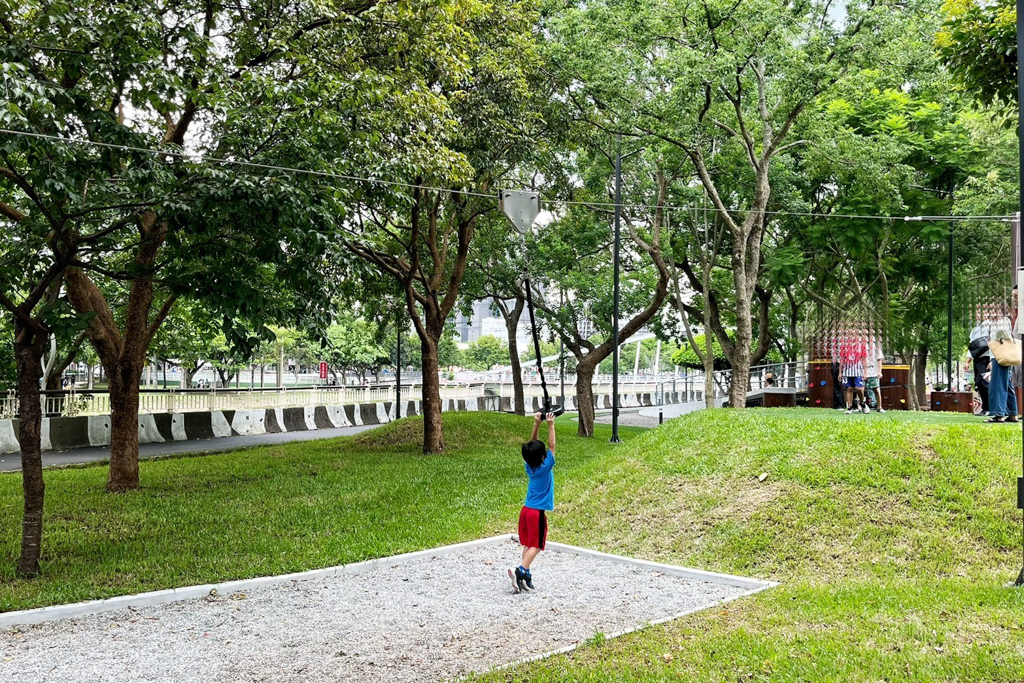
<point>533,528</point>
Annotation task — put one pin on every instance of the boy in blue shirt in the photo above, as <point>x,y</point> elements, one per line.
<point>540,497</point>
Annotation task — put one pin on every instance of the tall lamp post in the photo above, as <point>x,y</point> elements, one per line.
<point>561,355</point>
<point>1020,242</point>
<point>949,315</point>
<point>398,363</point>
<point>615,266</point>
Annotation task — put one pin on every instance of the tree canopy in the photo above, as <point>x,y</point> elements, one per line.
<point>978,43</point>
<point>232,185</point>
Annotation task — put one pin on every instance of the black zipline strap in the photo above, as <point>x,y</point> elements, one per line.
<point>536,345</point>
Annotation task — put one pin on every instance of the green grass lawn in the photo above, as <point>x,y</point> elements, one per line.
<point>893,538</point>
<point>925,417</point>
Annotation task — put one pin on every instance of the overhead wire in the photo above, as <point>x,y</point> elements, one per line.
<point>200,158</point>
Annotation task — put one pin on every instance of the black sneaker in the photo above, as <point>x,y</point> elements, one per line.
<point>528,579</point>
<point>517,579</point>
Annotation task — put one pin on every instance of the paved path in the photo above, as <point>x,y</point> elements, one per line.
<point>647,417</point>
<point>12,462</point>
<point>627,418</point>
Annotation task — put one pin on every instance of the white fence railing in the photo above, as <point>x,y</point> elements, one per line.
<point>73,403</point>
<point>689,388</point>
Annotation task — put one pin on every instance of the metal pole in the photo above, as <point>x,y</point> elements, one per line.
<point>949,316</point>
<point>1020,244</point>
<point>615,309</point>
<point>398,366</point>
<point>561,355</point>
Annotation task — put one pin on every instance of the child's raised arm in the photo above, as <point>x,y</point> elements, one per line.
<point>551,432</point>
<point>536,426</point>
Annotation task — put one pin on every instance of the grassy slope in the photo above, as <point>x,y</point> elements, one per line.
<point>893,539</point>
<point>275,509</point>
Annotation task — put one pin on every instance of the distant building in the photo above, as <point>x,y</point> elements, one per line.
<point>485,320</point>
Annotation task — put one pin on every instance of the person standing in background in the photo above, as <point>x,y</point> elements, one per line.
<point>873,362</point>
<point>980,359</point>
<point>1002,399</point>
<point>852,354</point>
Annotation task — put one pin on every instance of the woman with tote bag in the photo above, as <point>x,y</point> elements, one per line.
<point>1005,350</point>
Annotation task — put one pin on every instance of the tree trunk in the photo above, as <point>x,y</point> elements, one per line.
<point>512,317</point>
<point>909,359</point>
<point>123,381</point>
<point>739,359</point>
<point>585,396</point>
<point>280,365</point>
<point>433,437</point>
<point>123,347</point>
<point>920,376</point>
<point>518,396</point>
<point>29,345</point>
<point>90,369</point>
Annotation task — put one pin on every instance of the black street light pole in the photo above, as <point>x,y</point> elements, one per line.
<point>949,317</point>
<point>398,364</point>
<point>1020,238</point>
<point>561,354</point>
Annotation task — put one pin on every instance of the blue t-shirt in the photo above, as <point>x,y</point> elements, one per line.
<point>540,493</point>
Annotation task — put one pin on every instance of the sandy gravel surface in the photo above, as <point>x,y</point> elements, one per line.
<point>424,620</point>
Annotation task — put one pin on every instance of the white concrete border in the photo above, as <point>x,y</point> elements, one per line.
<point>81,609</point>
<point>632,629</point>
<point>751,585</point>
<point>671,569</point>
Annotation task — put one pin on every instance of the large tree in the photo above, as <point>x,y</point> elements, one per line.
<point>496,276</point>
<point>353,346</point>
<point>186,340</point>
<point>573,254</point>
<point>724,82</point>
<point>460,118</point>
<point>883,146</point>
<point>132,232</point>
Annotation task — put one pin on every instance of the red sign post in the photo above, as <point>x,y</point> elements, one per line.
<point>323,370</point>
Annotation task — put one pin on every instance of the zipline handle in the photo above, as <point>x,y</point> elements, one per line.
<point>522,209</point>
<point>555,410</point>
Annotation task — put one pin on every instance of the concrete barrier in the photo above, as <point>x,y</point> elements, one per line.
<point>66,433</point>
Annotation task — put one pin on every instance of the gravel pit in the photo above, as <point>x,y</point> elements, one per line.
<point>424,619</point>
